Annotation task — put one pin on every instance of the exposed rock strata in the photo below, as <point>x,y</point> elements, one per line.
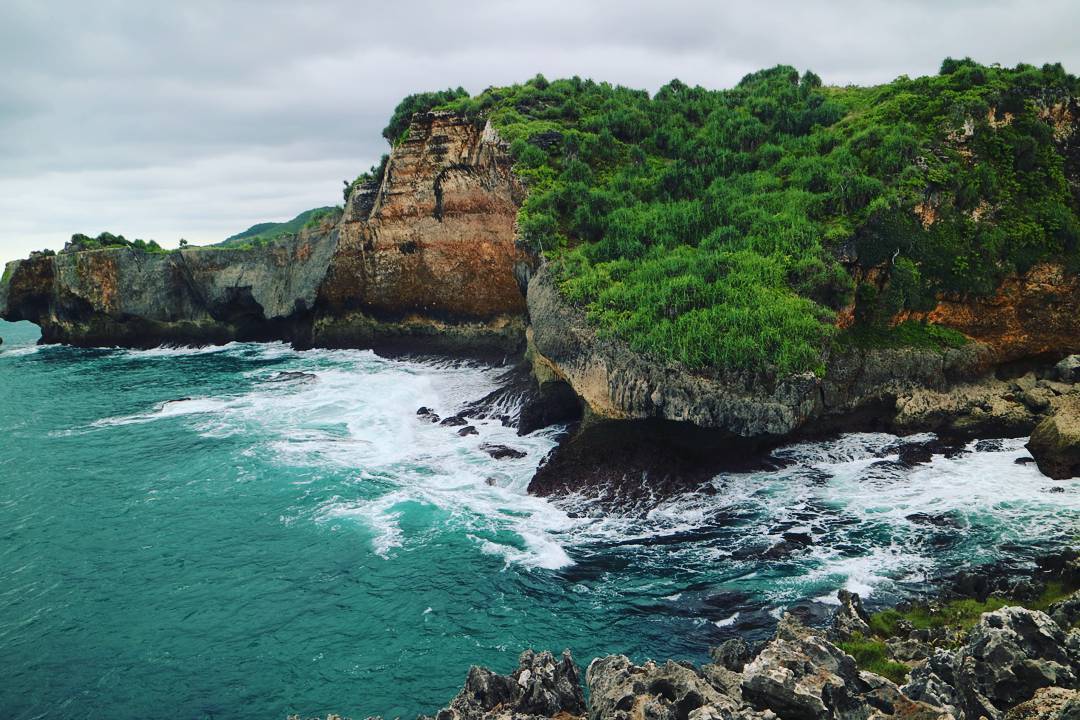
<point>423,261</point>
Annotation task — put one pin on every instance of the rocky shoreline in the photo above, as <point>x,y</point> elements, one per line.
<point>945,659</point>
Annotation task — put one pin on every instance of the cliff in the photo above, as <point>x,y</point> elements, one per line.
<point>424,260</point>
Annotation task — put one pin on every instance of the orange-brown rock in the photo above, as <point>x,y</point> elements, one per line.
<point>1032,314</point>
<point>437,238</point>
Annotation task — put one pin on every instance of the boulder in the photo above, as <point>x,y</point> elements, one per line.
<point>1055,442</point>
<point>1066,613</point>
<point>1068,370</point>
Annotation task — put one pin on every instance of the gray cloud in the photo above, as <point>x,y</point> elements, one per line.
<point>197,119</point>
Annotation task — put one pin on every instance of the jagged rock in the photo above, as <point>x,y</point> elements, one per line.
<point>542,686</point>
<point>1055,442</point>
<point>1015,652</point>
<point>454,421</point>
<point>732,654</point>
<point>620,690</point>
<point>802,676</point>
<point>850,619</point>
<point>908,649</point>
<point>1050,703</point>
<point>468,430</point>
<point>1009,655</point>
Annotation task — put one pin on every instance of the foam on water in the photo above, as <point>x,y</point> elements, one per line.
<point>251,531</point>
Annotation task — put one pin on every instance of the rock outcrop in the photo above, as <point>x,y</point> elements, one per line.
<point>424,260</point>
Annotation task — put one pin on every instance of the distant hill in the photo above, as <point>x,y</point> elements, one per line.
<point>267,231</point>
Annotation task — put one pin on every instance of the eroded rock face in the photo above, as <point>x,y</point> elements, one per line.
<point>435,241</point>
<point>621,690</point>
<point>542,686</point>
<point>123,296</point>
<point>423,261</point>
<point>1031,314</point>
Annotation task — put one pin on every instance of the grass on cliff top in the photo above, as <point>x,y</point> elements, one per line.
<point>705,226</point>
<point>872,655</point>
<point>265,233</point>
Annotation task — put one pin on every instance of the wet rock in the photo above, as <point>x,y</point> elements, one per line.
<point>947,520</point>
<point>732,654</point>
<point>468,430</point>
<point>1055,442</point>
<point>428,414</point>
<point>1052,703</point>
<point>291,376</point>
<point>850,620</point>
<point>454,421</point>
<point>501,452</point>
<point>542,686</point>
<point>620,690</point>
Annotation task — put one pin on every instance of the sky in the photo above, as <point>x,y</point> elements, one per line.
<point>197,119</point>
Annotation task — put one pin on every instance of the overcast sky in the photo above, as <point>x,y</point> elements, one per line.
<point>196,119</point>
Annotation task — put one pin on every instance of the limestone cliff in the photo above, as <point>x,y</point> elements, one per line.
<point>424,260</point>
<point>902,389</point>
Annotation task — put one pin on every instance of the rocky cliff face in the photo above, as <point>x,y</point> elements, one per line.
<point>425,260</point>
<point>126,297</point>
<point>1031,316</point>
<point>432,245</point>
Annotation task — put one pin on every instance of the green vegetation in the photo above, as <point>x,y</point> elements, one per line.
<point>904,334</point>
<point>263,233</point>
<point>871,655</point>
<point>395,130</point>
<point>708,226</point>
<point>963,613</point>
<point>374,174</point>
<point>81,242</point>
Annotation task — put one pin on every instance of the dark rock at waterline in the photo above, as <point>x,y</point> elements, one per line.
<point>944,520</point>
<point>799,538</point>
<point>501,452</point>
<point>553,403</point>
<point>427,414</point>
<point>291,376</point>
<point>638,463</point>
<point>468,430</point>
<point>920,453</point>
<point>1023,460</point>
<point>454,421</point>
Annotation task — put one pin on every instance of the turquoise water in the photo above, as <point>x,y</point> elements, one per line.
<point>187,533</point>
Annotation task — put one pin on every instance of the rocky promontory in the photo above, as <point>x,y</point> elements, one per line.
<point>422,258</point>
